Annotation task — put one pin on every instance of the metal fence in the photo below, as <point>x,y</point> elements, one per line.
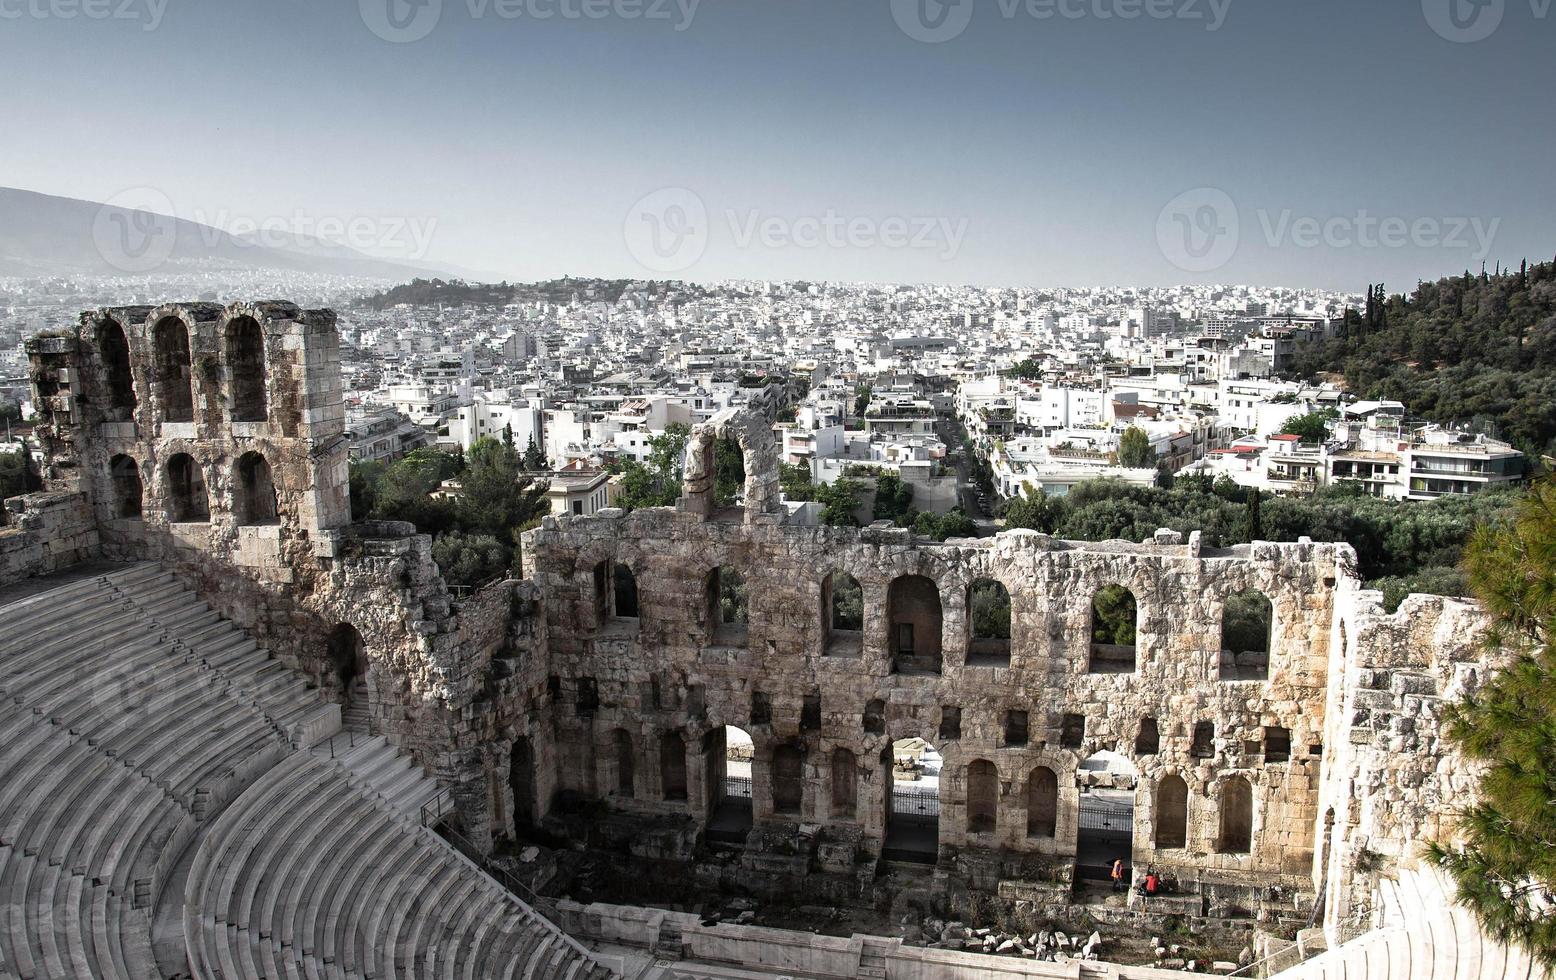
<point>737,787</point>
<point>914,802</point>
<point>1107,815</point>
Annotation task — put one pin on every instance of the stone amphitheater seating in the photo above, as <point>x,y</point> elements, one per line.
<point>152,756</point>
<point>1424,936</point>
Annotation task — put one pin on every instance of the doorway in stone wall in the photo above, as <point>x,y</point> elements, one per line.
<point>912,768</point>
<point>521,779</point>
<point>1105,825</point>
<point>727,754</point>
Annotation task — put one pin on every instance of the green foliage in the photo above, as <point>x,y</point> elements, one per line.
<point>1113,616</point>
<point>534,459</point>
<point>990,610</point>
<point>1311,427</point>
<point>862,396</point>
<point>847,603</point>
<point>469,560</point>
<point>1245,622</point>
<point>1460,349</point>
<point>729,472</point>
<point>734,605</point>
<point>1164,476</point>
<point>839,501</point>
<point>1432,580</point>
<point>1255,528</point>
<point>893,500</point>
<point>10,411</point>
<point>1036,511</point>
<point>1502,857</point>
<point>795,482</point>
<point>1134,449</point>
<point>18,474</point>
<point>475,534</point>
<point>658,482</point>
<point>1028,369</point>
<point>955,524</point>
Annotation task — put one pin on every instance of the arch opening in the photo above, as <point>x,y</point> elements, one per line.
<point>1042,802</point>
<point>842,615</point>
<point>174,372</point>
<point>188,502</point>
<point>128,494</point>
<point>728,756</point>
<point>983,792</point>
<point>672,766</point>
<point>521,779</point>
<point>623,756</point>
<point>1105,817</point>
<point>914,619</point>
<point>254,492</point>
<point>626,592</point>
<point>1115,618</point>
<point>988,624</point>
<point>246,369</point>
<point>911,768</point>
<point>845,783</point>
<point>728,607</point>
<point>788,779</point>
<point>348,661</point>
<point>1171,818</point>
<point>1247,621</point>
<point>114,350</point>
<point>1236,831</point>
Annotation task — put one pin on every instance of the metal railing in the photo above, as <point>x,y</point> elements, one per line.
<point>737,787</point>
<point>915,803</point>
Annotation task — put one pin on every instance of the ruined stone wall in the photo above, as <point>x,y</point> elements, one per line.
<point>1393,782</point>
<point>673,671</point>
<point>44,533</point>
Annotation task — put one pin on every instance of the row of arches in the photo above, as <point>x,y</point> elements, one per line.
<point>185,495</point>
<point>171,376</point>
<point>915,621</point>
<point>913,809</point>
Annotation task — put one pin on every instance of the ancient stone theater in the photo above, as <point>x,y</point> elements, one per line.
<point>245,736</point>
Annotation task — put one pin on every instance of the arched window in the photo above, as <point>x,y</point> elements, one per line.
<point>127,491</point>
<point>1247,620</point>
<point>982,796</point>
<point>845,783</point>
<point>254,493</point>
<point>726,607</point>
<point>173,372</point>
<point>187,500</point>
<point>115,353</point>
<point>875,717</point>
<point>914,622</point>
<point>1172,812</point>
<point>246,369</point>
<point>1114,619</point>
<point>621,742</point>
<point>348,659</point>
<point>672,766</point>
<point>788,779</point>
<point>626,592</point>
<point>604,593</point>
<point>1236,817</point>
<point>1042,802</point>
<point>988,624</point>
<point>842,614</point>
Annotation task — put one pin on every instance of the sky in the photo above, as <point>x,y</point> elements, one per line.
<point>1308,143</point>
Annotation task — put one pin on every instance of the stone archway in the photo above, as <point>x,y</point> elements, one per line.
<point>1105,820</point>
<point>752,430</point>
<point>912,801</point>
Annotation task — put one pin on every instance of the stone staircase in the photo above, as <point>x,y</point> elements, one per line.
<point>1424,936</point>
<point>152,756</point>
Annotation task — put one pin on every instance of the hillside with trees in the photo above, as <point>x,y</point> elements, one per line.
<point>457,292</point>
<point>1471,349</point>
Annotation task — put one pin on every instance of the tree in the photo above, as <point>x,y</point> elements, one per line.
<point>1255,530</point>
<point>990,613</point>
<point>1164,476</point>
<point>729,472</point>
<point>862,396</point>
<point>18,473</point>
<point>1311,427</point>
<point>1113,616</point>
<point>1504,863</point>
<point>795,482</point>
<point>469,560</point>
<point>1134,449</point>
<point>496,497</point>
<point>534,459</point>
<point>839,501</point>
<point>656,483</point>
<point>1035,511</point>
<point>893,500</point>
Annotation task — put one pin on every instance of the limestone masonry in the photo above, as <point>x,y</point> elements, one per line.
<point>211,439</point>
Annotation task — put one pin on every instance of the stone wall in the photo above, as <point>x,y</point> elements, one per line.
<point>672,670</point>
<point>45,533</point>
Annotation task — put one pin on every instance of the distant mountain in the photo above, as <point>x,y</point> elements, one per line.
<point>43,235</point>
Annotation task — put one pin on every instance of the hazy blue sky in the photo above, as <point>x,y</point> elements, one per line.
<point>1027,149</point>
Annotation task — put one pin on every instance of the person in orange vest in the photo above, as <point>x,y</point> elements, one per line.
<point>1120,880</point>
